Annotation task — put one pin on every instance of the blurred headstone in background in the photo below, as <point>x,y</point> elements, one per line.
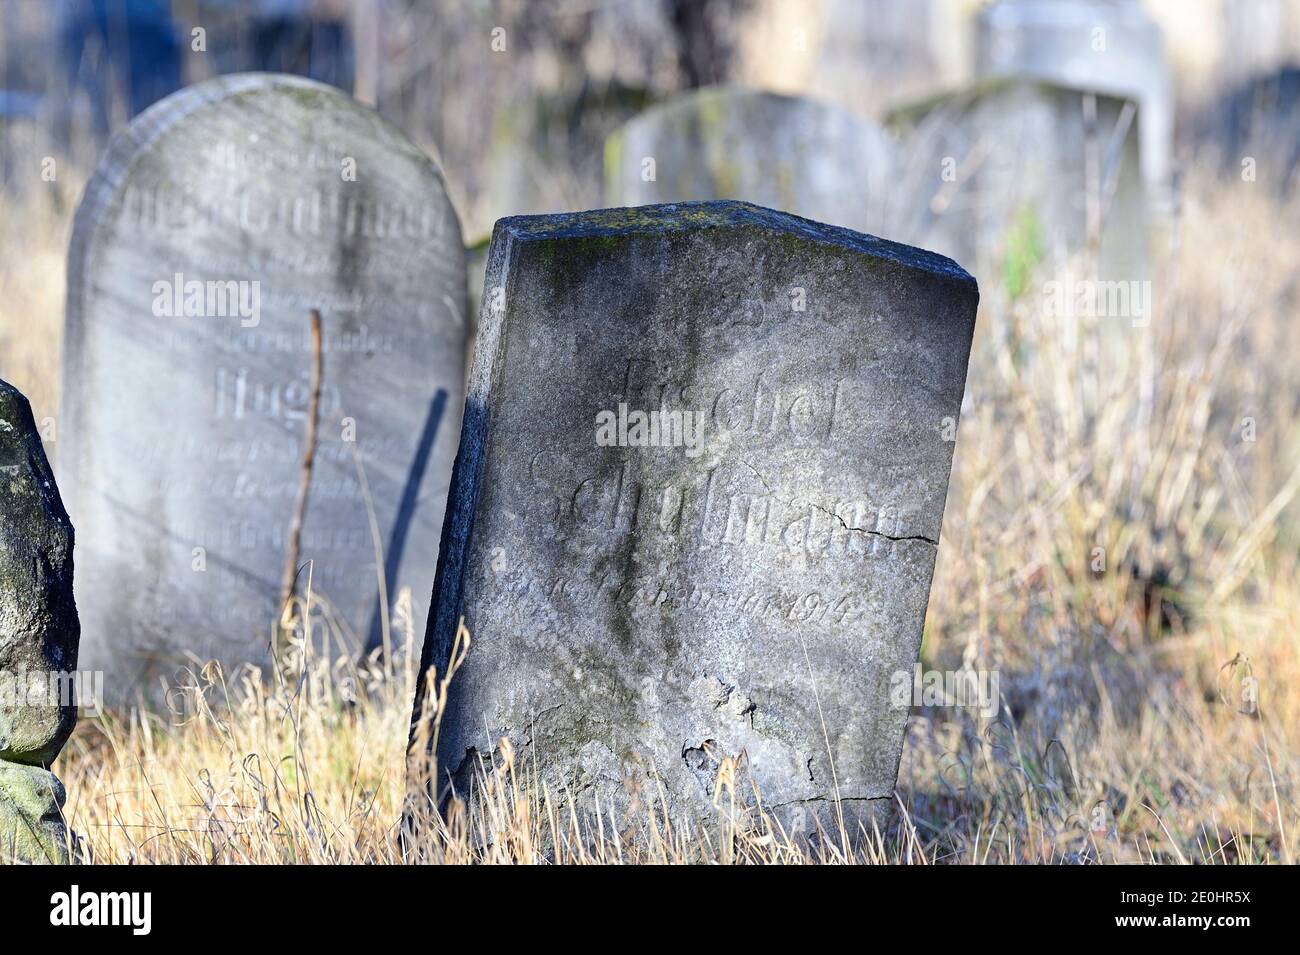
<point>788,153</point>
<point>1110,46</point>
<point>862,55</point>
<point>214,226</point>
<point>519,96</point>
<point>1024,167</point>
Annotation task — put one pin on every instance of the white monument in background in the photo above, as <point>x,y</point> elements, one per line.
<point>1109,46</point>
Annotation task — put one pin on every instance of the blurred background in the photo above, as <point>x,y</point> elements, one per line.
<point>518,118</point>
<point>1121,540</point>
<point>520,101</point>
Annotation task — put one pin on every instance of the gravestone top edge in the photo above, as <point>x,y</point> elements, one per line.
<point>682,217</point>
<point>115,162</point>
<point>691,99</point>
<point>967,93</point>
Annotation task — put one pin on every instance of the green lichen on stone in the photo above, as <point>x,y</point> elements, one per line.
<point>622,221</point>
<point>32,830</point>
<point>1024,252</point>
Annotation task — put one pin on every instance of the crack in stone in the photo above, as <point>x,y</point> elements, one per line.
<point>830,799</point>
<point>830,513</point>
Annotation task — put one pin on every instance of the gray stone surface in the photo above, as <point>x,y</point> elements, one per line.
<point>38,616</point>
<point>1023,149</point>
<point>789,153</point>
<point>1110,46</point>
<point>32,829</point>
<point>668,607</point>
<point>38,639</point>
<point>182,437</point>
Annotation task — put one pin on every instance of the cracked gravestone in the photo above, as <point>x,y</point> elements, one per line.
<point>38,640</point>
<point>214,225</point>
<point>785,152</point>
<point>695,512</point>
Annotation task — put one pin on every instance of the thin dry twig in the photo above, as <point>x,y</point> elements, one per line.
<point>289,578</point>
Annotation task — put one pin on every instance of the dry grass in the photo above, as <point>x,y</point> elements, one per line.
<point>1121,737</point>
<point>310,771</point>
<point>34,233</point>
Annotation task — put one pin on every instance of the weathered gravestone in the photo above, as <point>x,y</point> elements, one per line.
<point>793,154</point>
<point>38,640</point>
<point>213,227</point>
<point>1007,157</point>
<point>1110,46</point>
<point>737,577</point>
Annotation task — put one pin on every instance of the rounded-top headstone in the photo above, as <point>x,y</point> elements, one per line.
<point>216,222</point>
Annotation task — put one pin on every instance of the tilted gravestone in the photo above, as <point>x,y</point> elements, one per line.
<point>991,157</point>
<point>695,512</point>
<point>38,640</point>
<point>213,227</point>
<point>788,153</point>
